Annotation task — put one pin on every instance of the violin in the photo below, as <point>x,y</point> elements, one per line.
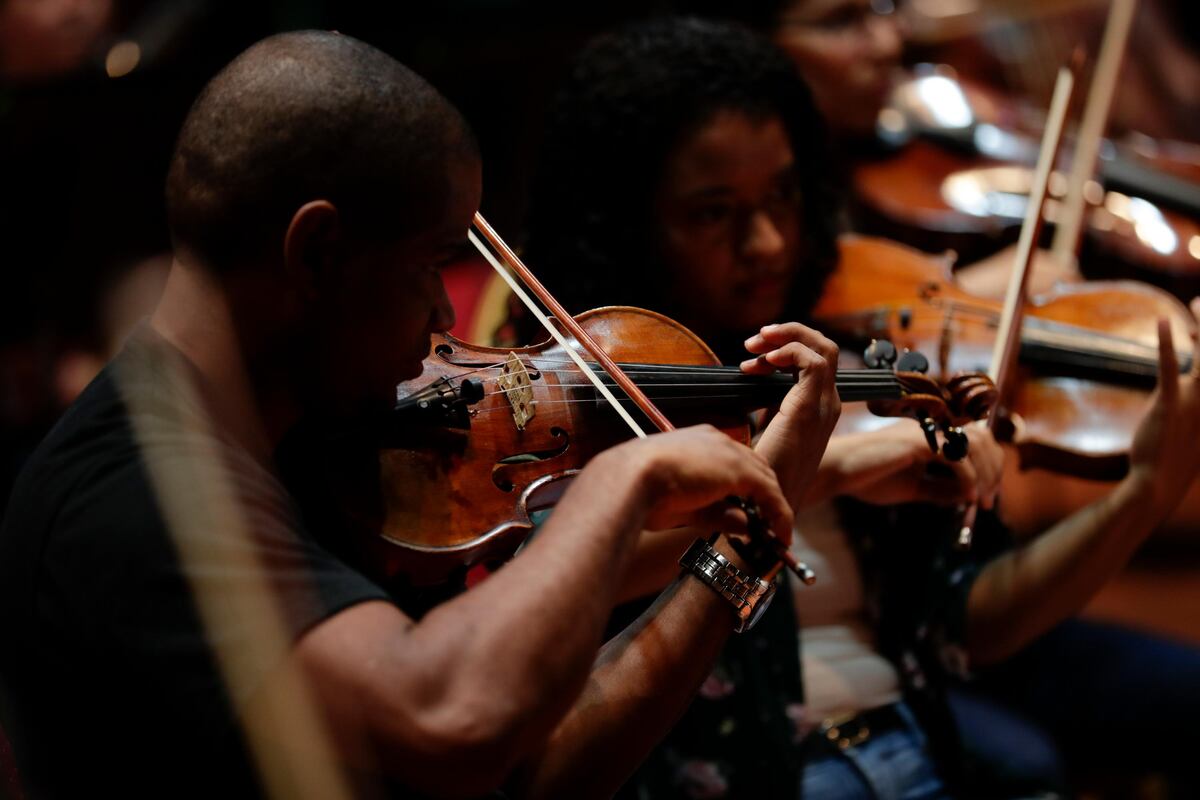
<point>960,175</point>
<point>1088,352</point>
<point>486,437</point>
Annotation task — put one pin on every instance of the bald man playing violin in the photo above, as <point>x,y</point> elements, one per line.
<point>172,628</point>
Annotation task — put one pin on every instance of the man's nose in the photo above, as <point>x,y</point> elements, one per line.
<point>443,318</point>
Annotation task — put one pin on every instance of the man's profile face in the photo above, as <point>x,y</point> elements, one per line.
<point>376,316</point>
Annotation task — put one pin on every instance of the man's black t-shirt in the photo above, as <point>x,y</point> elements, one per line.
<point>130,510</point>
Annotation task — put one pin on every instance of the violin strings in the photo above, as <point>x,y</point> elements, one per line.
<point>663,369</point>
<point>1033,325</point>
<point>695,368</point>
<point>580,387</point>
<point>886,382</point>
<point>596,399</point>
<point>883,381</point>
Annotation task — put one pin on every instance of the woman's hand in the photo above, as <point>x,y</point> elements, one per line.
<point>896,465</point>
<point>795,440</point>
<point>1165,455</point>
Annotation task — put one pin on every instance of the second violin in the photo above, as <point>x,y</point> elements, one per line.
<point>1088,352</point>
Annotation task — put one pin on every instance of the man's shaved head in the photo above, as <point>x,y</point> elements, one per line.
<point>306,116</point>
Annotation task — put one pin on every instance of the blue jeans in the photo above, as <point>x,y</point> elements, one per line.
<point>1113,699</point>
<point>895,765</point>
<point>1009,754</point>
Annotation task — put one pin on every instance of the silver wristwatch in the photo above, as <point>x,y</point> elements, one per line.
<point>749,595</point>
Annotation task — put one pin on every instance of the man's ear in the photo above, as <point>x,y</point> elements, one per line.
<point>310,242</point>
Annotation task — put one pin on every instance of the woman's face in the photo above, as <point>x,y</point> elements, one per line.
<point>848,51</point>
<point>730,224</point>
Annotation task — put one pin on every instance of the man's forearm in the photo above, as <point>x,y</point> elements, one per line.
<point>855,460</point>
<point>641,684</point>
<point>539,654</point>
<point>1025,592</point>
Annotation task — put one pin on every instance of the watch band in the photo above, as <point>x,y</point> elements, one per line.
<point>749,595</point>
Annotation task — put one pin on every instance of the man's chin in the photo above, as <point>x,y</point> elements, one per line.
<point>411,370</point>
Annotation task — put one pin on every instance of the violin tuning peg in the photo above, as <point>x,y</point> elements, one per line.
<point>955,447</point>
<point>929,428</point>
<point>880,354</point>
<point>913,361</point>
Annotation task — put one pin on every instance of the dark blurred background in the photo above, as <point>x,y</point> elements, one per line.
<point>92,93</point>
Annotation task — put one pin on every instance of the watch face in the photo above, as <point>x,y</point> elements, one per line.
<point>760,607</point>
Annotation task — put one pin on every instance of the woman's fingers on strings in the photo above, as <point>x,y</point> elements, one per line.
<point>793,356</point>
<point>774,336</point>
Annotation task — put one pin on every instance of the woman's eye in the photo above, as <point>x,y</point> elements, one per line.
<point>709,215</point>
<point>784,193</point>
<point>845,19</point>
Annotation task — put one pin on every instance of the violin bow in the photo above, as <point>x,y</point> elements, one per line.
<point>1008,336</point>
<point>1069,225</point>
<point>631,389</point>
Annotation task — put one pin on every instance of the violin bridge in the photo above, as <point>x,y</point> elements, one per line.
<point>514,380</point>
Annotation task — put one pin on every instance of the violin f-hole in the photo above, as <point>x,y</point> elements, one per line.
<point>504,471</point>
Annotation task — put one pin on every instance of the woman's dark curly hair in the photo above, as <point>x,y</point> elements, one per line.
<point>630,99</point>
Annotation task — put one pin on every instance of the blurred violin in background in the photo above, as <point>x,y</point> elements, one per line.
<point>1089,352</point>
<point>1088,361</point>
<point>960,175</point>
<point>959,141</point>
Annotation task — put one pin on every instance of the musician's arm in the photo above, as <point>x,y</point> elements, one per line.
<point>450,703</point>
<point>1025,592</point>
<point>642,682</point>
<point>855,461</point>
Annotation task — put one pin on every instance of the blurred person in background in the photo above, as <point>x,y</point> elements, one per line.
<point>851,53</point>
<point>92,93</point>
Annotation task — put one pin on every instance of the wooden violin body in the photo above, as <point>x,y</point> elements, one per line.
<point>1088,351</point>
<point>460,496</point>
<point>940,194</point>
<point>488,436</point>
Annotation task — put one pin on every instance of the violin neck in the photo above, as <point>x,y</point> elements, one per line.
<point>1122,173</point>
<point>1090,354</point>
<point>1143,180</point>
<point>692,386</point>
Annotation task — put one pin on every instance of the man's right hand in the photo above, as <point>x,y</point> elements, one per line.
<point>690,473</point>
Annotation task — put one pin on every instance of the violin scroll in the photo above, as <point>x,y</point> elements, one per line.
<point>937,408</point>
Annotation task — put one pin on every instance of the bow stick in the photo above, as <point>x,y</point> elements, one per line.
<point>630,388</point>
<point>1008,336</point>
<point>1069,224</point>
